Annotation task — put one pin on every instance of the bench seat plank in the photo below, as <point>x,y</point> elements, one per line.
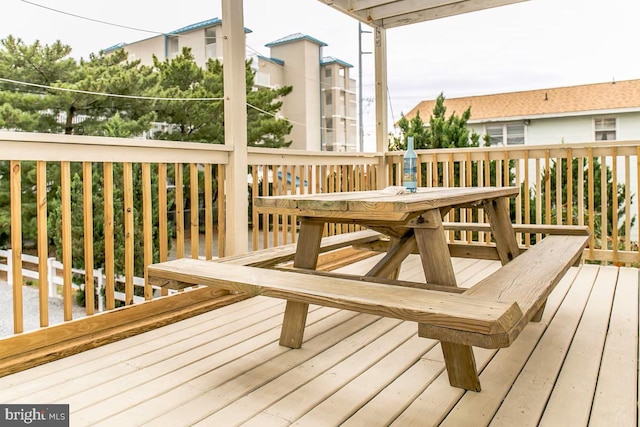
<point>527,280</point>
<point>470,313</point>
<point>276,255</point>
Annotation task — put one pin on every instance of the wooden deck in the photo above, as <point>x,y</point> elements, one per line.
<point>579,366</point>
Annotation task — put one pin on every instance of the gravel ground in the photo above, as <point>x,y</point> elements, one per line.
<point>31,309</point>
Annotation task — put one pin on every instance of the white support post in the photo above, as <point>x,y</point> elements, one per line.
<point>382,132</point>
<point>235,127</point>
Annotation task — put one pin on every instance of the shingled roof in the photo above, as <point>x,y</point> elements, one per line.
<point>562,101</point>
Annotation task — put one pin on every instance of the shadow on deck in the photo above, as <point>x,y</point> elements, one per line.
<point>578,366</point>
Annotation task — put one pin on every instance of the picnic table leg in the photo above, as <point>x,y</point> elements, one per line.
<point>434,249</point>
<point>389,265</point>
<point>461,366</point>
<point>295,314</point>
<point>502,230</point>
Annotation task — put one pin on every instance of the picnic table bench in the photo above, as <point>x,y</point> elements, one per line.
<point>491,314</point>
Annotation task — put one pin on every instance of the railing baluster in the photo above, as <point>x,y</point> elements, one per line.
<point>67,260</point>
<point>16,244</point>
<point>127,177</point>
<point>222,170</point>
<point>43,242</point>
<point>87,205</point>
<point>208,212</point>
<point>109,245</point>
<point>163,226</point>
<point>603,204</point>
<point>179,193</point>
<point>614,203</point>
<point>195,211</point>
<point>147,226</point>
<point>591,207</point>
<point>569,187</point>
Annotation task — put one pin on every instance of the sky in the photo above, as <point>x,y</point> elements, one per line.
<point>536,44</point>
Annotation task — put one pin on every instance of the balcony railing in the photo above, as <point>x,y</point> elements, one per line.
<point>560,192</point>
<point>135,202</point>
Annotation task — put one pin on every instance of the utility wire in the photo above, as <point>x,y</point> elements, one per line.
<point>148,98</point>
<point>91,19</point>
<point>112,95</point>
<point>255,51</point>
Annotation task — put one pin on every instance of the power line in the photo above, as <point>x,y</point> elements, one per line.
<point>147,98</point>
<point>112,95</point>
<point>91,19</point>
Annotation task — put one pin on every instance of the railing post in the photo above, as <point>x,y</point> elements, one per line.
<point>382,134</point>
<point>235,135</point>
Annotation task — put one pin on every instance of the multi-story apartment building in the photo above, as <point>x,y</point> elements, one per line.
<point>321,107</point>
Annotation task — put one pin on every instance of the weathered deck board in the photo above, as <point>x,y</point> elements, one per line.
<point>526,401</point>
<point>614,401</point>
<point>225,367</point>
<point>478,409</point>
<point>571,399</point>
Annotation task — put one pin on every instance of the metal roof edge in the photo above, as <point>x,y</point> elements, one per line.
<point>296,37</point>
<point>331,60</point>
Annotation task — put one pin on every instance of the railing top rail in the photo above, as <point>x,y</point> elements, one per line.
<point>269,156</point>
<point>57,147</point>
<point>598,148</point>
<point>8,136</point>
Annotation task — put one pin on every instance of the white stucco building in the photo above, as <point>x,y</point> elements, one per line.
<point>321,107</point>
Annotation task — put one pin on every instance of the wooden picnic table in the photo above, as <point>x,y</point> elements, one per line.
<point>491,314</point>
<point>410,219</point>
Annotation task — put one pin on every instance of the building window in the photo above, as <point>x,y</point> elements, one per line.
<point>515,134</point>
<point>327,72</point>
<point>605,129</point>
<point>172,47</point>
<point>210,42</point>
<point>328,98</point>
<point>512,134</point>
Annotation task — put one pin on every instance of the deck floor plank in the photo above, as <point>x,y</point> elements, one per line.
<point>173,363</point>
<point>389,403</point>
<point>528,397</point>
<point>435,402</point>
<point>340,406</point>
<point>173,398</point>
<point>61,371</point>
<point>478,409</point>
<point>187,366</point>
<point>572,396</point>
<point>225,367</point>
<point>220,390</point>
<point>296,392</point>
<point>616,401</point>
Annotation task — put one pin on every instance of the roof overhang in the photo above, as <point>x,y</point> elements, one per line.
<point>396,13</point>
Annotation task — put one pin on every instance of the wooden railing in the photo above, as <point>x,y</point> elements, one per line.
<point>560,192</point>
<point>117,202</point>
<point>293,172</point>
<point>130,200</point>
<point>116,205</point>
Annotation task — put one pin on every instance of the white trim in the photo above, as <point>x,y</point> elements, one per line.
<point>556,115</point>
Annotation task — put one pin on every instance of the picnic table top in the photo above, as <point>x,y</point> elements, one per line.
<point>380,204</point>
